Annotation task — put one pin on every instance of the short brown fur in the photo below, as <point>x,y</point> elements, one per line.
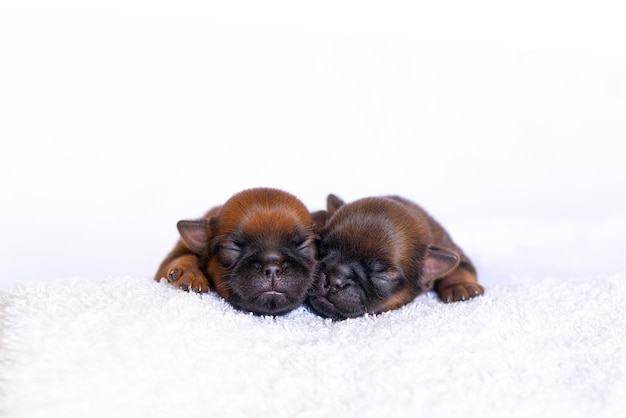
<point>378,254</point>
<point>229,248</point>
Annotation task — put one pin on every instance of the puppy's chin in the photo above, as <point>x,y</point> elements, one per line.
<point>266,303</point>
<point>337,304</point>
<point>274,295</point>
<point>338,310</point>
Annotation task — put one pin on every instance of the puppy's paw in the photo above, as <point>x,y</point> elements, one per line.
<point>186,275</point>
<point>456,292</point>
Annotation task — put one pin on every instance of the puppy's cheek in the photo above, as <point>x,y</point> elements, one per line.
<point>386,288</point>
<point>220,279</point>
<point>318,287</point>
<point>300,268</point>
<point>304,276</point>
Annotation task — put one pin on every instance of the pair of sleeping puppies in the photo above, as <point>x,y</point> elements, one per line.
<point>265,253</point>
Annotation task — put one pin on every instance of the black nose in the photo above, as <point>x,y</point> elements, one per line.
<point>272,269</point>
<point>272,262</point>
<point>336,282</point>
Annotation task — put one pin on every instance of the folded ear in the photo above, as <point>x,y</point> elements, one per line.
<point>438,263</point>
<point>196,234</point>
<point>319,219</point>
<point>332,204</point>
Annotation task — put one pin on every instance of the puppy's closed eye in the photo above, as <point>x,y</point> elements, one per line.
<point>228,253</point>
<point>303,244</point>
<point>381,270</point>
<point>307,247</point>
<point>387,276</point>
<point>386,282</point>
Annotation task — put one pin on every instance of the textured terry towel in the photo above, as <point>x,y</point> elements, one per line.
<point>131,347</point>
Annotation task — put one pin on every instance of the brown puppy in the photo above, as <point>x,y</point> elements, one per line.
<point>379,253</point>
<point>257,251</point>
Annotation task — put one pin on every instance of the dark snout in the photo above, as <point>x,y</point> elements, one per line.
<point>272,264</point>
<point>270,282</point>
<point>335,293</point>
<point>333,278</point>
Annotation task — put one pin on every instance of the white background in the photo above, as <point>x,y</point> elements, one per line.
<point>118,119</point>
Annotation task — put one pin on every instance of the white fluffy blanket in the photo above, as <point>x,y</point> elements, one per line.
<point>131,347</point>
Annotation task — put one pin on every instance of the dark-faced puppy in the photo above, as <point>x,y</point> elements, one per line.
<point>257,251</point>
<point>379,253</point>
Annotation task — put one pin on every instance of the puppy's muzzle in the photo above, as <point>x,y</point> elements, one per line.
<point>334,279</point>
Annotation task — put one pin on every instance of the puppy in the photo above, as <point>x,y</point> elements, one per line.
<point>379,253</point>
<point>257,251</point>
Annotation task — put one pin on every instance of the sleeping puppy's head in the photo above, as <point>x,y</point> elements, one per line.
<point>374,256</point>
<point>258,250</point>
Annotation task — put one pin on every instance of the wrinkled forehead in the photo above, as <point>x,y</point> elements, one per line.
<point>372,232</point>
<point>371,238</point>
<point>264,222</point>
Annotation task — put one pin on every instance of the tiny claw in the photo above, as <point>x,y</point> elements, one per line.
<point>184,287</point>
